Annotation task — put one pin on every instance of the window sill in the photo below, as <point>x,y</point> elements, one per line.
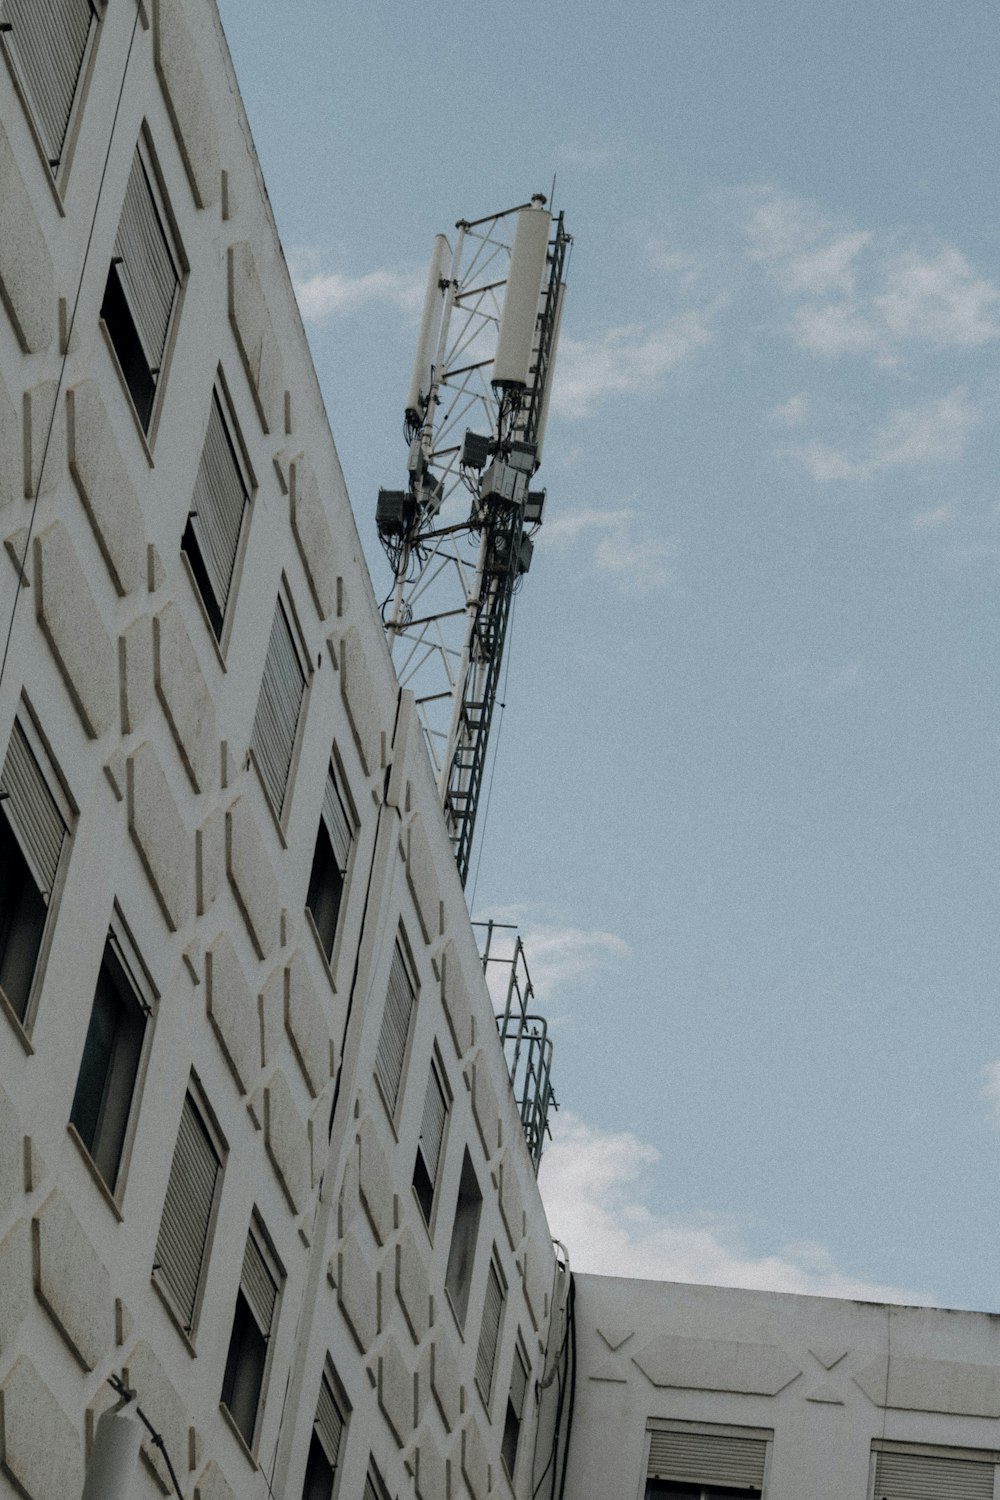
<point>144,438</point>
<point>92,1168</point>
<point>241,1441</point>
<point>187,1339</point>
<point>17,1024</point>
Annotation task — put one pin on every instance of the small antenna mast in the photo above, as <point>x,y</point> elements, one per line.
<point>459,538</point>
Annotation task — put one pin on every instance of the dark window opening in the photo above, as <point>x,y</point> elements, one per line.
<point>515,1412</point>
<point>320,1473</point>
<point>244,1377</point>
<point>218,506</point>
<point>428,1157</point>
<point>461,1255</point>
<point>105,1087</point>
<point>22,922</point>
<point>326,888</point>
<point>128,347</point>
<point>192,551</point>
<point>672,1489</point>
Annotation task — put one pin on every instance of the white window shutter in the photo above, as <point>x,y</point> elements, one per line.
<point>281,690</point>
<point>337,823</point>
<point>395,1029</point>
<point>329,1422</point>
<point>219,500</point>
<point>48,39</point>
<point>708,1458</point>
<point>147,272</point>
<point>915,1476</point>
<point>187,1210</point>
<point>432,1125</point>
<point>489,1333</point>
<point>258,1286</point>
<point>31,811</point>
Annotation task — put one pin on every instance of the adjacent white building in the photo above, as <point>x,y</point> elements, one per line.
<point>260,1162</point>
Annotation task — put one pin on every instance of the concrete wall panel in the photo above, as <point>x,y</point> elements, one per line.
<point>252,877</point>
<point>233,1011</point>
<point>40,1449</point>
<point>71,1282</point>
<point>185,698</point>
<point>313,536</point>
<point>103,483</point>
<point>72,625</point>
<point>164,844</point>
<point>27,282</point>
<point>188,102</point>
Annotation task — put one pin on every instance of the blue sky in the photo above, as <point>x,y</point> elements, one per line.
<point>745,802</point>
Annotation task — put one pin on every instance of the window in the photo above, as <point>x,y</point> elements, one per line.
<point>399,1002</point>
<point>515,1410</point>
<point>489,1332</point>
<point>705,1465</point>
<point>279,706</point>
<point>374,1488</point>
<point>324,1445</point>
<point>33,835</point>
<point>109,1068</point>
<point>212,534</point>
<point>329,866</point>
<point>47,43</point>
<point>901,1475</point>
<point>142,286</point>
<point>253,1321</point>
<point>461,1255</point>
<point>435,1117</point>
<point>187,1213</point>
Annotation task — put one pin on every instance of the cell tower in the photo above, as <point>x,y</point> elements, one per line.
<point>459,537</point>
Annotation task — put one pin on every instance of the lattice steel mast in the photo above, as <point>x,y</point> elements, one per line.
<point>475,422</point>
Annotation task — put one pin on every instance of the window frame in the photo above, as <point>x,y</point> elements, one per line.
<point>520,1355</point>
<point>707,1430</point>
<point>394,1106</point>
<point>463,1246</point>
<point>336,1396</point>
<point>334,774</point>
<point>194,1091</point>
<point>137,976</point>
<point>257,1235</point>
<point>221,395</point>
<point>56,174</point>
<point>285,602</point>
<point>146,154</point>
<point>58,791</point>
<point>494,1271</point>
<point>988,1457</point>
<point>435,1075</point>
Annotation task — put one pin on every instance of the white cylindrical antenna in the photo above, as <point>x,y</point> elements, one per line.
<point>114,1458</point>
<point>430,327</point>
<point>520,303</point>
<point>543,415</point>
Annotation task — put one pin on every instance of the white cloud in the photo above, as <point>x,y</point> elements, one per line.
<point>991,1089</point>
<point>592,1185</point>
<point>586,156</point>
<point>791,413</point>
<point>639,563</point>
<point>931,432</point>
<point>855,291</point>
<point>324,294</point>
<point>621,360</point>
<point>933,520</point>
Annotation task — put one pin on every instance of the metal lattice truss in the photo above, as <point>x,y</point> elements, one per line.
<point>457,566</point>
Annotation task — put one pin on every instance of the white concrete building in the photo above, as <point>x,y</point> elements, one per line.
<point>260,1161</point>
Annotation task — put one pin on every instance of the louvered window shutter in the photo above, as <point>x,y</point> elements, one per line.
<point>31,812</point>
<point>489,1332</point>
<point>146,271</point>
<point>48,39</point>
<point>219,500</point>
<point>187,1209</point>
<point>432,1126</point>
<point>711,1459</point>
<point>337,823</point>
<point>395,1029</point>
<point>914,1476</point>
<point>258,1286</point>
<point>281,690</point>
<point>329,1422</point>
<point>518,1383</point>
<point>372,1491</point>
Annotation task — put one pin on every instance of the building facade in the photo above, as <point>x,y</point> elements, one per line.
<point>260,1162</point>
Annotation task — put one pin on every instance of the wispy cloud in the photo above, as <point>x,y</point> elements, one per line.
<point>559,955</point>
<point>934,519</point>
<point>624,360</point>
<point>588,156</point>
<point>791,413</point>
<point>857,291</point>
<point>621,547</point>
<point>323,293</point>
<point>991,1090</point>
<point>930,432</point>
<point>592,1183</point>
